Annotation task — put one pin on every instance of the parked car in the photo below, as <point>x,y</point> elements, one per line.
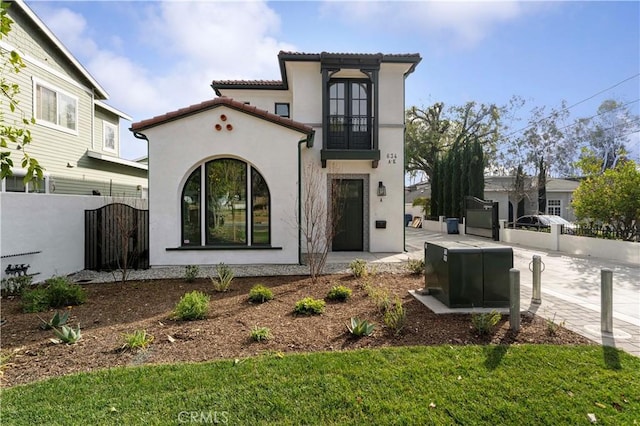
<point>540,222</point>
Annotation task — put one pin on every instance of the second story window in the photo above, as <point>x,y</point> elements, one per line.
<point>350,114</point>
<point>55,108</point>
<point>109,137</point>
<point>282,109</point>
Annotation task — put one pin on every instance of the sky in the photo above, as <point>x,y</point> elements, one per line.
<point>153,57</point>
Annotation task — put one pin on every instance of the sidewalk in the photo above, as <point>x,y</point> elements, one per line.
<point>570,287</point>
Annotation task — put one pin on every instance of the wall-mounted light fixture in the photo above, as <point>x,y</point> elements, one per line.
<point>69,165</point>
<point>382,190</point>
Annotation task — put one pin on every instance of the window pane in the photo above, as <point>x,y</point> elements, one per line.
<point>226,211</point>
<point>110,137</point>
<point>46,102</point>
<point>15,184</point>
<point>282,109</point>
<point>191,210</point>
<point>260,203</point>
<point>37,185</point>
<point>66,111</point>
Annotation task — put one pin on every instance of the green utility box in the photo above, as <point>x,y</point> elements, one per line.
<point>468,274</point>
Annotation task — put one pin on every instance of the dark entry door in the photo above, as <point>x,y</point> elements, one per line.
<point>348,199</point>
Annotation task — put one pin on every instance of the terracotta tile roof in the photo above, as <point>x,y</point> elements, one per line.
<point>216,102</point>
<point>283,57</point>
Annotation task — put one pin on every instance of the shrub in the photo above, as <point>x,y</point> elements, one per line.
<point>552,326</point>
<point>55,322</point>
<point>395,316</point>
<point>225,276</point>
<point>359,328</point>
<point>339,293</point>
<point>191,273</point>
<point>67,335</point>
<point>358,268</point>
<point>35,299</point>
<point>485,322</point>
<point>260,334</point>
<point>14,286</point>
<point>380,298</point>
<point>260,294</point>
<point>192,306</point>
<point>139,339</point>
<point>415,266</point>
<point>309,306</point>
<point>62,292</point>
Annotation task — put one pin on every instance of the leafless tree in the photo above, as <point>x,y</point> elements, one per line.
<point>320,217</point>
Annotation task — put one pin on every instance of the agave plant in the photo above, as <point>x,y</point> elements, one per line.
<point>67,334</point>
<point>359,328</point>
<point>56,322</point>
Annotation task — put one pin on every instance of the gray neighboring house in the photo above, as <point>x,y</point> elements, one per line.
<point>500,189</point>
<point>76,137</point>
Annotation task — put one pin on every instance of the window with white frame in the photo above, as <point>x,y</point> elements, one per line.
<point>15,183</point>
<point>54,107</point>
<point>109,132</point>
<point>554,207</point>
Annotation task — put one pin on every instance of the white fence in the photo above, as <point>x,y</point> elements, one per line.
<point>46,231</point>
<point>622,251</point>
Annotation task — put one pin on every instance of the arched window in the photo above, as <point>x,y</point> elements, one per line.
<point>235,204</point>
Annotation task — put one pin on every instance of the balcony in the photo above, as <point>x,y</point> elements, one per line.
<point>350,138</point>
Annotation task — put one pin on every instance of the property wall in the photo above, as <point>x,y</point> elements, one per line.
<point>176,148</point>
<point>51,225</point>
<point>622,251</point>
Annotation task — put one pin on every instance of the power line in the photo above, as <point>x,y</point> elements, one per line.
<point>575,104</point>
<point>602,113</point>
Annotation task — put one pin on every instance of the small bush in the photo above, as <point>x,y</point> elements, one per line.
<point>67,335</point>
<point>62,292</point>
<point>139,339</point>
<point>395,317</point>
<point>380,297</point>
<point>225,276</point>
<point>191,273</point>
<point>309,306</point>
<point>552,326</point>
<point>35,299</point>
<point>485,322</point>
<point>359,328</point>
<point>260,334</point>
<point>260,294</point>
<point>192,306</point>
<point>358,268</point>
<point>13,286</point>
<point>55,322</point>
<point>415,266</point>
<point>339,293</point>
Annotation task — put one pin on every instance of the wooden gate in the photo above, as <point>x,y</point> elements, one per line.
<point>116,236</point>
<point>481,218</point>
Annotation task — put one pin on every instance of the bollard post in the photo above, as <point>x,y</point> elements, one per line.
<point>536,297</point>
<point>514,299</point>
<point>606,301</point>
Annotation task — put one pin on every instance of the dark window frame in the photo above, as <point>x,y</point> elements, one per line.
<point>281,104</point>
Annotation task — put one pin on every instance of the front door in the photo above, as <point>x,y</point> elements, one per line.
<point>348,199</point>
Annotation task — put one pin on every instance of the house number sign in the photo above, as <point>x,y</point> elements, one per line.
<point>392,157</point>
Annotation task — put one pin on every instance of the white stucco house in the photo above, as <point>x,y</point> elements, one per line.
<point>226,176</point>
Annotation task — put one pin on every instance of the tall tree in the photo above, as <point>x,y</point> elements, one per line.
<point>604,137</point>
<point>431,132</point>
<point>14,132</point>
<point>612,198</point>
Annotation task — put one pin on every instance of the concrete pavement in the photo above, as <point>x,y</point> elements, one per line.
<point>570,287</point>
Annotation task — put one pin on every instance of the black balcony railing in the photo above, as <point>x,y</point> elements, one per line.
<point>349,132</point>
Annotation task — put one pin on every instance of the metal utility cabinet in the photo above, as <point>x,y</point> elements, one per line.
<point>468,274</point>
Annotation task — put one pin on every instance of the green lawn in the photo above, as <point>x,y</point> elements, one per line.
<point>471,385</point>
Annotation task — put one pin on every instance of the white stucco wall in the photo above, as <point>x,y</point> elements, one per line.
<point>176,148</point>
<point>50,224</point>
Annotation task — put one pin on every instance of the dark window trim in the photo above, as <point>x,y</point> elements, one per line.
<point>288,109</point>
<point>253,243</point>
<point>223,247</point>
